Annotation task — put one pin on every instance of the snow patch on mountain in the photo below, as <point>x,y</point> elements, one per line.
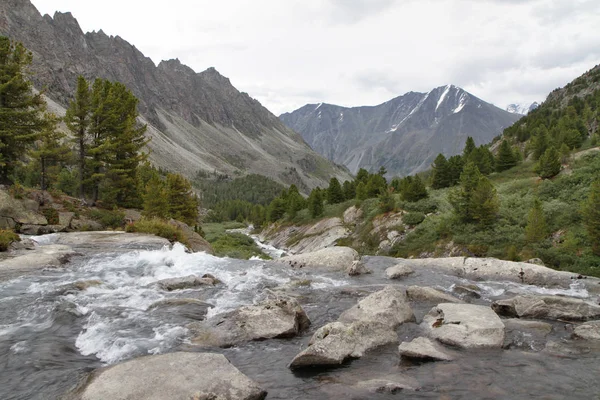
<point>522,108</point>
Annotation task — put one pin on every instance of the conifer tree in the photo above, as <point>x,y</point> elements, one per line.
<point>156,199</point>
<point>455,167</point>
<point>536,228</point>
<point>315,203</point>
<point>484,203</point>
<point>21,111</point>
<point>376,185</point>
<point>295,201</point>
<point>183,203</point>
<point>461,198</point>
<point>386,202</point>
<point>349,189</point>
<point>77,120</point>
<point>591,214</point>
<point>335,194</point>
<point>361,191</point>
<point>49,150</point>
<point>506,158</point>
<point>565,154</point>
<point>548,165</point>
<point>441,173</point>
<point>362,176</point>
<point>414,189</point>
<point>540,143</point>
<point>469,147</point>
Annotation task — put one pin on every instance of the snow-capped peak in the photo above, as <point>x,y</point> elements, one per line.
<point>522,108</point>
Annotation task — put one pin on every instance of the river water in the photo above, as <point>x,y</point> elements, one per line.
<point>52,334</point>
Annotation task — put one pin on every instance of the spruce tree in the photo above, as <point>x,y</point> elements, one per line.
<point>183,203</point>
<point>455,167</point>
<point>460,198</point>
<point>548,165</point>
<point>415,190</point>
<point>386,202</point>
<point>536,228</point>
<point>77,120</point>
<point>21,111</point>
<point>376,185</point>
<point>484,203</point>
<point>441,173</point>
<point>156,199</point>
<point>469,147</point>
<point>315,203</point>
<point>591,214</point>
<point>349,189</point>
<point>540,143</point>
<point>362,176</point>
<point>49,150</point>
<point>335,194</point>
<point>295,201</point>
<point>506,158</point>
<point>361,191</point>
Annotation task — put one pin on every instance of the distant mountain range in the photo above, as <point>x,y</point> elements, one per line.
<point>404,134</point>
<point>197,121</point>
<point>522,108</point>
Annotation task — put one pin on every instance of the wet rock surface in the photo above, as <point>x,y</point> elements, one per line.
<point>424,349</point>
<point>334,258</point>
<point>547,307</point>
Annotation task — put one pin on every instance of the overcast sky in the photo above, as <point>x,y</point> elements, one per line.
<point>360,52</point>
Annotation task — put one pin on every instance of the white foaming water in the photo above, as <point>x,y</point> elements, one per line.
<point>494,289</point>
<point>45,239</point>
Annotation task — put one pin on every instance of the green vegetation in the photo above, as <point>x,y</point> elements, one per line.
<point>6,238</point>
<point>234,245</point>
<point>158,227</point>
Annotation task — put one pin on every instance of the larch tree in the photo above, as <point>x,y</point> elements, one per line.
<point>22,112</point>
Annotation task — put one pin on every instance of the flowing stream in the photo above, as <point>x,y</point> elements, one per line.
<point>53,333</point>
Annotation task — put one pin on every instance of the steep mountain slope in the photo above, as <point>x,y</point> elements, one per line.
<point>197,121</point>
<point>522,108</point>
<point>404,134</point>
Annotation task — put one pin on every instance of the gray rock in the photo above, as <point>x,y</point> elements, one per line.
<point>588,331</point>
<point>23,244</point>
<point>464,325</point>
<point>186,282</point>
<point>19,210</point>
<point>536,261</point>
<point>28,229</point>
<point>196,243</point>
<point>34,260</point>
<point>7,223</point>
<point>392,385</point>
<point>111,240</point>
<point>424,349</point>
<point>278,317</point>
<point>542,328</point>
<point>174,376</point>
<point>188,308</point>
<point>547,307</point>
<point>352,215</point>
<point>369,324</point>
<point>421,293</point>
<point>333,258</point>
<point>398,271</point>
<point>467,292</point>
<point>85,224</point>
<point>358,268</point>
<point>65,218</point>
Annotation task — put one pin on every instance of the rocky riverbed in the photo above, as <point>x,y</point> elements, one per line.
<point>129,316</point>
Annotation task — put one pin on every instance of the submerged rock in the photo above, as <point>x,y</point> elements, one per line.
<point>369,324</point>
<point>547,307</point>
<point>180,376</point>
<point>333,258</point>
<point>423,293</point>
<point>392,385</point>
<point>187,282</point>
<point>188,308</point>
<point>358,268</point>
<point>464,325</point>
<point>588,331</point>
<point>278,317</point>
<point>423,349</point>
<point>398,271</point>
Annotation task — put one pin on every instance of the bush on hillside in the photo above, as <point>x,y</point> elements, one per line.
<point>6,238</point>
<point>158,227</point>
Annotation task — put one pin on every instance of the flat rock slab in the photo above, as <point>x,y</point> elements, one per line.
<point>547,307</point>
<point>538,327</point>
<point>280,317</point>
<point>398,271</point>
<point>389,306</point>
<point>424,293</point>
<point>29,261</point>
<point>111,240</point>
<point>464,325</point>
<point>174,376</point>
<point>424,349</point>
<point>588,331</point>
<point>333,258</point>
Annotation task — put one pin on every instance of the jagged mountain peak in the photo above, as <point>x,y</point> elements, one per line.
<point>522,108</point>
<point>403,134</point>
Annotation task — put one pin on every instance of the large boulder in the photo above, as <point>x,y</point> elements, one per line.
<point>464,325</point>
<point>333,258</point>
<point>369,324</point>
<point>424,349</point>
<point>588,331</point>
<point>174,376</point>
<point>307,238</point>
<point>392,384</point>
<point>278,317</point>
<point>20,211</point>
<point>352,215</point>
<point>427,294</point>
<point>547,307</point>
<point>196,243</point>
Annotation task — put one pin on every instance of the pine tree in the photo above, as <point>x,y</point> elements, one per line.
<point>49,150</point>
<point>349,189</point>
<point>386,202</point>
<point>460,198</point>
<point>376,185</point>
<point>361,191</point>
<point>455,167</point>
<point>591,214</point>
<point>484,203</point>
<point>156,199</point>
<point>315,203</point>
<point>415,190</point>
<point>441,173</point>
<point>295,201</point>
<point>506,158</point>
<point>536,229</point>
<point>469,147</point>
<point>335,194</point>
<point>540,143</point>
<point>362,176</point>
<point>565,153</point>
<point>548,165</point>
<point>183,203</point>
<point>21,111</point>
<point>77,120</point>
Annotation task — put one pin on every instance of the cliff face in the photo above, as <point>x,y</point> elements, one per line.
<point>197,121</point>
<point>404,134</point>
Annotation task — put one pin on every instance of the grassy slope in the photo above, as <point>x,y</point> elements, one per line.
<point>234,245</point>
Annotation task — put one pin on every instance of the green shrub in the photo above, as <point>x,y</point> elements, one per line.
<point>158,227</point>
<point>413,218</point>
<point>425,206</point>
<point>108,218</point>
<point>51,215</point>
<point>6,238</point>
<point>236,245</point>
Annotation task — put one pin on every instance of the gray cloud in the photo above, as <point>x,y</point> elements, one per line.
<point>357,10</point>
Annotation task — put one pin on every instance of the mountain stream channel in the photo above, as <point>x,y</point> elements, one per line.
<point>54,333</point>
